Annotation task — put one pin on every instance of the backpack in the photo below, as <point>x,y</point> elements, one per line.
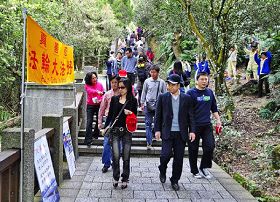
<point>142,74</point>
<point>109,66</point>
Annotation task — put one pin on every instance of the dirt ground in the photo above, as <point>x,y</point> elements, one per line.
<point>249,154</point>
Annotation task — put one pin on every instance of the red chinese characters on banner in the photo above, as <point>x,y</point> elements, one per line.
<point>62,68</point>
<point>69,67</point>
<point>33,60</point>
<point>56,47</point>
<point>54,67</point>
<point>49,61</point>
<point>45,63</point>
<point>43,40</point>
<point>65,51</point>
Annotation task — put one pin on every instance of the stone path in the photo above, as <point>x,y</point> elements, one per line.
<point>90,184</point>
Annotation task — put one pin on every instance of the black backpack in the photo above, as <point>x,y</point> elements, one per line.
<point>142,74</point>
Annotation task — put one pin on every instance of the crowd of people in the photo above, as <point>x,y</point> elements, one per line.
<point>258,68</point>
<point>173,113</point>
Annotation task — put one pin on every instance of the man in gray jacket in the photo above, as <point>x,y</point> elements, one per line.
<point>152,88</point>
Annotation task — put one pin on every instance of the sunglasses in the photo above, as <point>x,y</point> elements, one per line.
<point>121,87</point>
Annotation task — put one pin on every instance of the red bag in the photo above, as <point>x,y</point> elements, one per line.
<point>218,129</point>
<point>131,122</point>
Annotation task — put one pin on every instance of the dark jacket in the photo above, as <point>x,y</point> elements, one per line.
<point>113,110</point>
<point>164,116</point>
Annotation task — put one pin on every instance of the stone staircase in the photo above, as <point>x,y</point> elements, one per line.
<point>139,144</point>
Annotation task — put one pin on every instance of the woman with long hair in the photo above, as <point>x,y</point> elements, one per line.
<point>95,93</point>
<point>119,133</point>
<point>178,69</point>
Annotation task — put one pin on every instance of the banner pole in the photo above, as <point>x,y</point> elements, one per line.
<point>24,15</point>
<point>74,91</point>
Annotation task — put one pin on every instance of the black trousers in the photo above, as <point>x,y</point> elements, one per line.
<point>208,144</point>
<point>131,77</point>
<point>263,79</point>
<point>176,144</point>
<point>91,111</point>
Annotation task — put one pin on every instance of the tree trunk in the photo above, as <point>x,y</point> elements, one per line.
<point>176,45</point>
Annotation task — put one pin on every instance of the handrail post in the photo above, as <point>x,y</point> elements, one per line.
<point>11,139</point>
<point>73,111</point>
<point>56,121</point>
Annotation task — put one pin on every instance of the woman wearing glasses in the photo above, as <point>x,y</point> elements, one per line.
<point>95,93</point>
<point>119,132</point>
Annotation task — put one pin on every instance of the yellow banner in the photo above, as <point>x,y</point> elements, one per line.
<point>49,61</point>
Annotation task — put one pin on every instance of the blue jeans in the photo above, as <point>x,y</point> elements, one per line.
<point>149,119</point>
<point>124,138</point>
<point>107,152</point>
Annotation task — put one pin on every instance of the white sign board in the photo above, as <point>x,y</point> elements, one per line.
<point>44,170</point>
<point>68,148</point>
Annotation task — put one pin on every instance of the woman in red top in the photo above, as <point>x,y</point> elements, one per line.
<point>150,55</point>
<point>95,93</point>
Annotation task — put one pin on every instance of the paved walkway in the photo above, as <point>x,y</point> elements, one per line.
<point>90,184</point>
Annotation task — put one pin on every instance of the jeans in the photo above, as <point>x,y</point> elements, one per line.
<point>149,116</point>
<point>107,152</point>
<point>124,138</point>
<point>208,144</point>
<point>91,110</point>
<point>176,144</point>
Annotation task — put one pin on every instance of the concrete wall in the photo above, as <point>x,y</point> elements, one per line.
<point>41,100</point>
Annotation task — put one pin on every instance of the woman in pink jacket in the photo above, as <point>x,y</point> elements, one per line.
<point>95,92</point>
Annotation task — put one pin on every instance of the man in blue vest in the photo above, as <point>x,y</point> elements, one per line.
<point>174,124</point>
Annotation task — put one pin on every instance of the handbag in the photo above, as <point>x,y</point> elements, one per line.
<point>151,104</point>
<point>107,130</point>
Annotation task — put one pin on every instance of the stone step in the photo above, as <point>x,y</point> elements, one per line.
<point>137,133</point>
<point>135,151</point>
<point>141,119</point>
<point>135,141</point>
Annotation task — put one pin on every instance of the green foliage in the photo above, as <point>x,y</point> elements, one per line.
<point>275,153</point>
<point>249,185</point>
<point>4,115</point>
<point>88,25</point>
<point>265,113</point>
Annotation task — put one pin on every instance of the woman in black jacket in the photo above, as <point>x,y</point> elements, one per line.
<point>178,69</point>
<point>119,133</point>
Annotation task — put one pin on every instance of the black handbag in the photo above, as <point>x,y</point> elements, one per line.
<point>107,130</point>
<point>151,104</point>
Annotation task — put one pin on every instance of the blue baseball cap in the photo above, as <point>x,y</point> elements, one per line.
<point>174,79</point>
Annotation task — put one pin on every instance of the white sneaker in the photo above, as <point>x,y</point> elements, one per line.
<point>197,176</point>
<point>205,173</point>
<point>149,147</point>
<point>139,109</point>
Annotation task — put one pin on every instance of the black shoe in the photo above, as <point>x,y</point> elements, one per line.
<point>89,143</point>
<point>162,178</point>
<point>175,186</point>
<point>105,169</point>
<point>124,185</point>
<point>115,183</point>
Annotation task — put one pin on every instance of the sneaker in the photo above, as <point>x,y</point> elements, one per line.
<point>149,146</point>
<point>205,173</point>
<point>197,176</point>
<point>139,109</point>
<point>105,169</point>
